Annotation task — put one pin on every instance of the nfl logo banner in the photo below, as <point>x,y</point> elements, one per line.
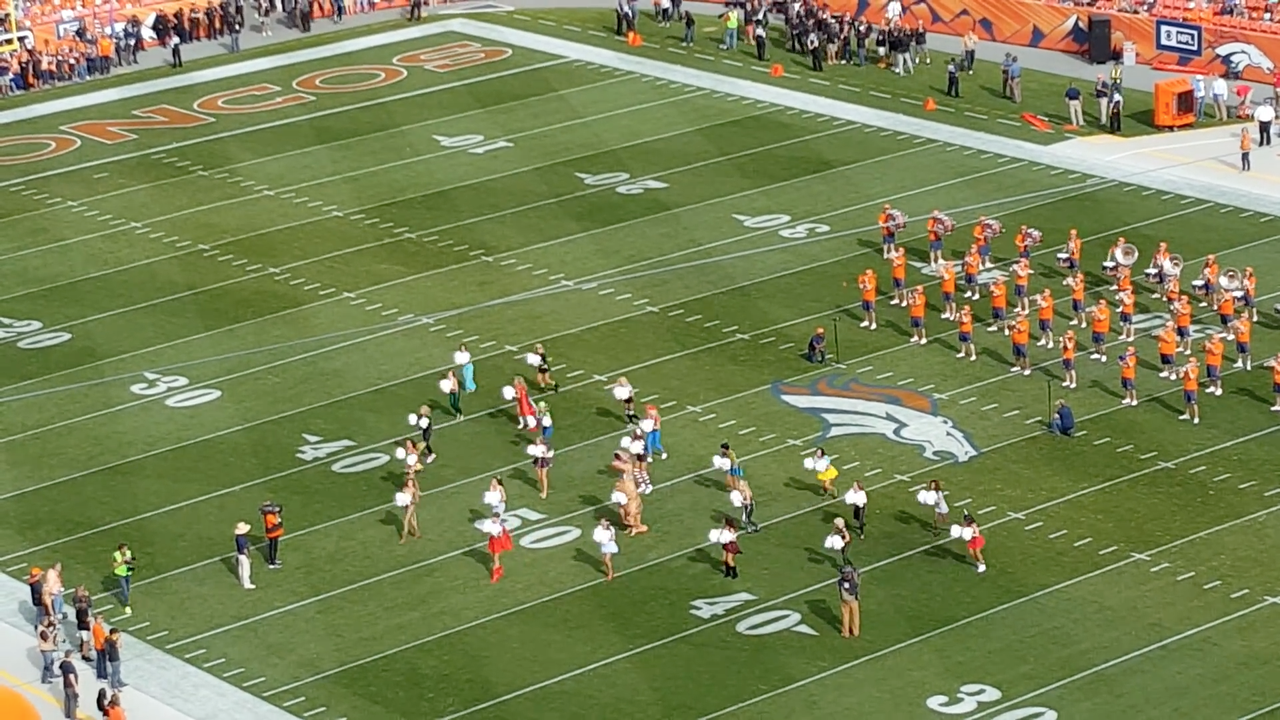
<point>1179,38</point>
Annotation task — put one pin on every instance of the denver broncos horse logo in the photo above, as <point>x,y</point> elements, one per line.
<point>903,416</point>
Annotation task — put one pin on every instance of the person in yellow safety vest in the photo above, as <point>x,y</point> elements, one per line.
<point>273,527</point>
<point>730,18</point>
<point>122,569</point>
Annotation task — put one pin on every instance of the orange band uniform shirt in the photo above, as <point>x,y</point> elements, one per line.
<point>917,303</point>
<point>948,275</point>
<point>1213,349</point>
<point>868,284</point>
<point>1021,331</point>
<point>998,295</point>
<point>1167,342</point>
<point>1129,366</point>
<point>899,263</point>
<point>1101,319</point>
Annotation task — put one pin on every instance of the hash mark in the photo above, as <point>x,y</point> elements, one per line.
<point>1239,594</point>
<point>966,401</point>
<point>1248,484</point>
<point>1184,576</point>
<point>1212,585</point>
<point>1104,551</point>
<point>706,417</point>
<point>1085,541</point>
<point>1033,526</point>
<point>1058,534</point>
<point>1148,455</point>
<point>1159,567</point>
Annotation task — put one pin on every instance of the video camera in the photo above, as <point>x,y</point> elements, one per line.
<point>270,508</point>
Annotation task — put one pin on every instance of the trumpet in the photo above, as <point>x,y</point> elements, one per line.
<point>1231,279</point>
<point>1173,266</point>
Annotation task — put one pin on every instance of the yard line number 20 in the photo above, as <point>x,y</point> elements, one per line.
<point>29,335</point>
<point>766,622</point>
<point>970,697</point>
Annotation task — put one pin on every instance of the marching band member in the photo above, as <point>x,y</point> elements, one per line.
<point>729,546</point>
<point>1182,323</point>
<point>1275,381</point>
<point>455,397</point>
<point>857,497</point>
<point>748,506</point>
<point>526,413</point>
<point>982,236</point>
<point>840,533</point>
<point>972,266</point>
<point>1075,281</point>
<point>947,275</point>
<point>623,391</point>
<point>869,286</point>
<point>1167,346</point>
<point>898,275</point>
<point>1128,302</point>
<point>1207,285</point>
<point>939,226</point>
<point>408,498</point>
<point>976,543</point>
<point>1242,328</point>
<point>425,425</point>
<point>1021,245</point>
<point>1250,282</point>
<point>544,420</point>
<point>1124,278</point>
<point>940,508</point>
<point>1172,290</point>
<point>1022,273</point>
<point>734,472</point>
<point>1101,316</point>
<point>1129,376</point>
<point>653,435</point>
<point>1068,346</point>
<point>916,303</point>
<point>1073,248</point>
<point>827,473</point>
<point>1213,352</point>
<point>468,369</point>
<point>1112,266</point>
<point>607,538</point>
<point>1020,333</point>
<point>999,299</point>
<point>1190,374</point>
<point>496,496</point>
<point>542,454</point>
<point>1044,318</point>
<point>1225,303</point>
<point>889,226</point>
<point>965,335</point>
<point>543,377</point>
<point>1159,260</point>
<point>499,542</point>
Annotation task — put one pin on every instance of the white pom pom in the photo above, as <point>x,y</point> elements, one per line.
<point>601,535</point>
<point>856,497</point>
<point>546,421</point>
<point>625,443</point>
<point>966,534</point>
<point>533,450</point>
<point>446,386</point>
<point>714,536</point>
<point>411,459</point>
<point>833,542</point>
<point>621,392</point>
<point>534,359</point>
<point>927,497</point>
<point>821,464</point>
<point>720,462</point>
<point>508,393</point>
<point>492,497</point>
<point>636,447</point>
<point>548,453</point>
<point>956,530</point>
<point>402,499</point>
<point>401,453</point>
<point>413,418</point>
<point>618,497</point>
<point>808,464</point>
<point>461,357</point>
<point>735,497</point>
<point>647,425</point>
<point>424,422</point>
<point>530,421</point>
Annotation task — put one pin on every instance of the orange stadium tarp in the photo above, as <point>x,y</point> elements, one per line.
<point>1066,29</point>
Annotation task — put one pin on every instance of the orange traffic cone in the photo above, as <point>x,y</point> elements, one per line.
<point>930,105</point>
<point>634,40</point>
<point>776,70</point>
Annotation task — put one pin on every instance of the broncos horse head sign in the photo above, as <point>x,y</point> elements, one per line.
<point>903,416</point>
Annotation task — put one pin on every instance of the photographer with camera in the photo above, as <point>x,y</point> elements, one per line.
<point>273,526</point>
<point>122,567</point>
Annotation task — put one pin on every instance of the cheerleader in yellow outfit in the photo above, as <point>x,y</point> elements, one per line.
<point>827,473</point>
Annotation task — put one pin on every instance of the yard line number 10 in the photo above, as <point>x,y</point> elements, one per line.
<point>970,698</point>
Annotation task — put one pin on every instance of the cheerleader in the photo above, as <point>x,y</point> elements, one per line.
<point>640,471</point>
<point>526,414</point>
<point>857,497</point>
<point>542,454</point>
<point>408,498</point>
<point>455,396</point>
<point>607,538</point>
<point>748,500</point>
<point>496,496</point>
<point>463,358</point>
<point>728,539</point>
<point>734,473</point>
<point>975,542</point>
<point>424,424</point>
<point>827,473</point>
<point>652,426</point>
<point>623,391</point>
<point>409,454</point>
<point>544,369</point>
<point>544,420</point>
<point>839,539</point>
<point>499,542</point>
<point>940,508</point>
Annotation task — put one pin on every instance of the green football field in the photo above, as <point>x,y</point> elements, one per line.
<point>204,318</point>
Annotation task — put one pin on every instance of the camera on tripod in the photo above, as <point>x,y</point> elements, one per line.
<point>270,508</point>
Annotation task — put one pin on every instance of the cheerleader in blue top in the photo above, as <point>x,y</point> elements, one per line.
<point>544,420</point>
<point>463,358</point>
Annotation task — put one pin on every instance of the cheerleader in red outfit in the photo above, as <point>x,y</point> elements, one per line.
<point>975,542</point>
<point>499,542</point>
<point>727,536</point>
<point>527,414</point>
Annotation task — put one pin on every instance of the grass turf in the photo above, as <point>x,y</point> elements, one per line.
<point>307,321</point>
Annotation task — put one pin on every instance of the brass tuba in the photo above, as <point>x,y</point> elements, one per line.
<point>1231,279</point>
<point>1173,266</point>
<point>1127,254</point>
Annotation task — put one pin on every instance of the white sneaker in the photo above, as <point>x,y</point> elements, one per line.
<point>1237,364</point>
<point>1073,386</point>
<point>1066,384</point>
<point>664,456</point>
<point>973,358</point>
<point>960,354</point>
<point>1164,373</point>
<point>982,567</point>
<point>1196,421</point>
<point>1184,416</point>
<point>864,323</point>
<point>1103,358</point>
<point>924,340</point>
<point>1014,369</point>
<point>1124,401</point>
<point>1073,322</point>
<point>1275,408</point>
<point>1026,371</point>
<point>250,587</point>
<point>1248,366</point>
<point>1094,356</point>
<point>993,328</point>
<point>1231,338</point>
<point>915,340</point>
<point>873,326</point>
<point>1218,392</point>
<point>893,301</point>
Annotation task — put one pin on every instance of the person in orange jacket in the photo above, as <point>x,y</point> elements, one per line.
<point>273,528</point>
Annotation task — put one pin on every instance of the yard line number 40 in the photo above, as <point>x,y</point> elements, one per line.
<point>766,622</point>
<point>970,697</point>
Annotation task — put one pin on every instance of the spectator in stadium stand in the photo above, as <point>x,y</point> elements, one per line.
<point>1265,115</point>
<point>1218,94</point>
<point>1201,95</point>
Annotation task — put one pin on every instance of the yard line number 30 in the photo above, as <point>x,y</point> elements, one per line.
<point>970,697</point>
<point>155,384</point>
<point>766,622</point>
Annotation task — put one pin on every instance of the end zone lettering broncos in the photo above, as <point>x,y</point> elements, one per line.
<point>903,416</point>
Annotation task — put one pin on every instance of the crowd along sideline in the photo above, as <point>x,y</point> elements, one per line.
<point>256,98</point>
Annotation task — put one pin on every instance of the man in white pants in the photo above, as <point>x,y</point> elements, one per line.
<point>244,566</point>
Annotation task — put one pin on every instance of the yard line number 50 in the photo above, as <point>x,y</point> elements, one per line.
<point>970,697</point>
